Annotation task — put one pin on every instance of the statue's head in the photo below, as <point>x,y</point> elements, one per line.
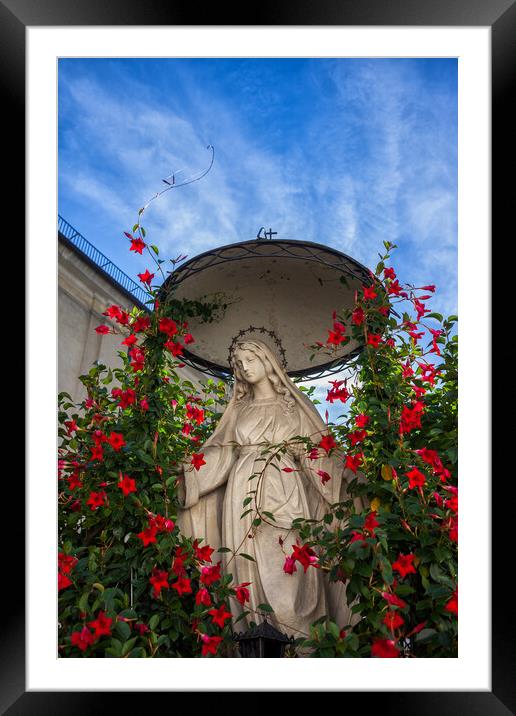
<point>251,364</point>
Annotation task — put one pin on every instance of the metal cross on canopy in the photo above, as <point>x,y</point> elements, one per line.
<point>266,234</point>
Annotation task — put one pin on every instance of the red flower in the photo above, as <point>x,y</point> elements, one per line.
<point>411,417</point>
<point>168,326</point>
<point>146,277</point>
<point>394,600</point>
<point>142,323</point>
<point>362,420</point>
<point>242,593</point>
<point>358,316</point>
<point>389,273</point>
<point>354,461</point>
<point>66,562</point>
<point>371,522</point>
<point>183,586</point>
<point>203,553</point>
<point>357,436</point>
<point>71,426</point>
<point>137,245</point>
<point>141,628</point>
<point>337,393</point>
<point>404,564</point>
<point>198,460</point>
<point>195,414</point>
<point>127,398</point>
<point>219,616</point>
<point>430,288</point>
<point>374,339</point>
<point>102,625</point>
<point>324,476</point>
<point>210,644</point>
<point>357,537</point>
<point>175,348</point>
<point>452,605</point>
<point>102,330</point>
<point>74,481</point>
<point>384,649</point>
<point>97,453</point>
<point>394,288</point>
<point>116,440</point>
<point>393,620</point>
<point>335,338</point>
<point>127,485</point>
<point>188,338</point>
<point>327,443</point>
<point>369,292</point>
<point>63,581</point>
<point>304,555</point>
<point>203,597</point>
<point>159,581</point>
<point>96,500</point>
<point>112,312</point>
<point>290,565</point>
<point>82,639</point>
<point>209,575</point>
<point>144,405</point>
<point>416,478</point>
<point>148,535</point>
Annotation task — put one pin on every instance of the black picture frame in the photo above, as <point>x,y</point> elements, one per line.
<point>500,16</point>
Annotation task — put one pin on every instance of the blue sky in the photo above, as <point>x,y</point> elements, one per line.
<point>343,152</point>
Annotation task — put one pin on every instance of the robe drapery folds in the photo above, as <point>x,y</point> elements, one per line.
<point>238,460</point>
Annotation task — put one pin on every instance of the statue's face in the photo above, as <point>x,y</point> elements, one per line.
<point>250,365</point>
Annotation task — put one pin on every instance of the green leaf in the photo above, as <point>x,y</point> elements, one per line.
<point>155,249</point>
<point>123,630</point>
<point>265,607</point>
<point>129,645</point>
<point>153,621</point>
<point>246,556</point>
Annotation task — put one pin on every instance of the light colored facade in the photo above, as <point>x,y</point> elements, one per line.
<point>84,293</point>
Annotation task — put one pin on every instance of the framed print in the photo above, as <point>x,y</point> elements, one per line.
<point>34,38</point>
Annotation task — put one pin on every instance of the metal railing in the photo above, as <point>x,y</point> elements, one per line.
<point>103,263</point>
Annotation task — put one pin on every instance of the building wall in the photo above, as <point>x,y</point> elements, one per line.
<point>84,293</point>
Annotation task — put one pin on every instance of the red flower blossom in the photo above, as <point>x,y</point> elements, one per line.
<point>137,245</point>
<point>242,593</point>
<point>357,537</point>
<point>141,628</point>
<point>142,323</point>
<point>127,485</point>
<point>198,460</point>
<point>394,600</point>
<point>203,553</point>
<point>219,616</point>
<point>452,605</point>
<point>97,453</point>
<point>148,535</point>
<point>63,581</point>
<point>101,625</point>
<point>371,522</point>
<point>209,575</point>
<point>66,562</point>
<point>203,597</point>
<point>384,649</point>
<point>112,312</point>
<point>394,288</point>
<point>304,555</point>
<point>411,417</point>
<point>210,644</point>
<point>327,443</point>
<point>168,326</point>
<point>393,620</point>
<point>71,426</point>
<point>96,500</point>
<point>183,586</point>
<point>416,478</point>
<point>188,338</point>
<point>374,339</point>
<point>362,420</point>
<point>116,440</point>
<point>353,462</point>
<point>389,273</point>
<point>290,565</point>
<point>159,581</point>
<point>404,564</point>
<point>324,476</point>
<point>175,348</point>
<point>146,277</point>
<point>102,330</point>
<point>337,393</point>
<point>195,414</point>
<point>144,405</point>
<point>358,316</point>
<point>74,481</point>
<point>430,288</point>
<point>369,292</point>
<point>357,436</point>
<point>82,639</point>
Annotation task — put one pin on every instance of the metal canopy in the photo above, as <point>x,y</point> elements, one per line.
<point>286,286</point>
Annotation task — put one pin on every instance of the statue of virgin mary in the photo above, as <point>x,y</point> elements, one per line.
<point>267,409</point>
